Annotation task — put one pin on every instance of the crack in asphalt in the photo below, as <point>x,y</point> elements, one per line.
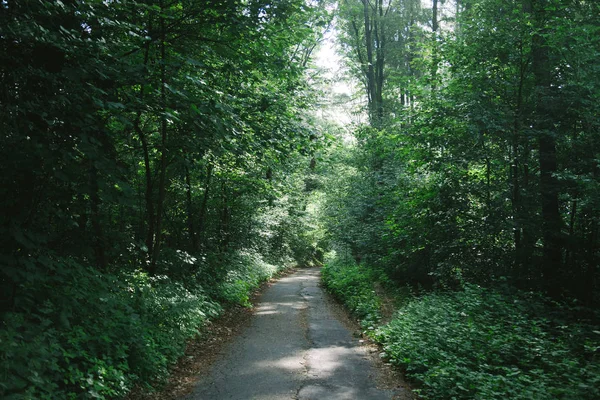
<point>295,348</point>
<point>305,328</point>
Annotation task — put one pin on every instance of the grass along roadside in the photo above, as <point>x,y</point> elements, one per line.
<point>477,343</point>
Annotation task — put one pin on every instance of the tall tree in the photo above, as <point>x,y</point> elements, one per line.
<point>375,35</point>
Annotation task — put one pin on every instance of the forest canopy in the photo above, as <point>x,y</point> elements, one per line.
<point>479,160</point>
<point>470,197</point>
<point>162,158</point>
<point>153,157</point>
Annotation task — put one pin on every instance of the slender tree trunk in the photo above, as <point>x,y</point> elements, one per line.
<point>148,197</point>
<point>148,216</point>
<point>435,57</point>
<point>224,228</point>
<point>370,62</point>
<point>190,211</point>
<point>571,248</point>
<point>517,206</point>
<point>203,206</point>
<point>434,20</point>
<point>591,275</point>
<point>163,152</point>
<point>83,216</point>
<point>380,61</point>
<point>488,179</point>
<point>528,239</point>
<point>410,56</point>
<point>549,188</point>
<point>149,190</point>
<point>95,219</point>
<point>516,202</point>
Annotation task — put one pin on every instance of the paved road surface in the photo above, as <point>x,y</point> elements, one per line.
<point>294,348</point>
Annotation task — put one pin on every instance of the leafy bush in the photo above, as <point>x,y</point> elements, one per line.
<point>484,344</point>
<point>353,285</point>
<point>246,271</point>
<point>166,315</point>
<point>79,333</point>
<point>95,334</point>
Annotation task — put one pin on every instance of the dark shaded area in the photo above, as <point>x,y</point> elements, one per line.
<point>133,194</point>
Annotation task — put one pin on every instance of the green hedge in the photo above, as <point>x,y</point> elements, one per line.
<point>95,335</point>
<point>247,271</point>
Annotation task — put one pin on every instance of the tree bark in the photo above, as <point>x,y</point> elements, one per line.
<point>517,202</point>
<point>190,209</point>
<point>202,213</point>
<point>149,241</point>
<point>163,146</point>
<point>224,226</point>
<point>379,61</point>
<point>435,58</point>
<point>370,68</point>
<point>549,187</point>
<point>149,190</point>
<point>99,252</point>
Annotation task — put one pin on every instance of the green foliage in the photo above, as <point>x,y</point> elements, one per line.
<point>95,335</point>
<point>484,165</point>
<point>477,343</point>
<point>246,272</point>
<point>484,344</point>
<point>154,155</point>
<point>353,285</point>
<point>482,168</point>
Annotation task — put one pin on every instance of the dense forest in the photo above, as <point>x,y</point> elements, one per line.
<point>153,158</point>
<point>161,158</point>
<point>472,193</point>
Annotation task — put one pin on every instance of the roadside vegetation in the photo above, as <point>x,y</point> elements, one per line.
<point>154,156</point>
<point>477,343</point>
<point>95,336</point>
<point>162,158</point>
<point>471,189</point>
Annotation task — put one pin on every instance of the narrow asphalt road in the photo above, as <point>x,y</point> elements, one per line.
<point>295,348</point>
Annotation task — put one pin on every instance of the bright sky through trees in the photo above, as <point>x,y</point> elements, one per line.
<point>340,104</point>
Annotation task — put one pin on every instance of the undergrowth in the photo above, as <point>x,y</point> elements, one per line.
<point>249,271</point>
<point>98,334</point>
<point>480,343</point>
<point>353,285</point>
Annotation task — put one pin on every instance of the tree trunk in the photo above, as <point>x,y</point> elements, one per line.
<point>163,146</point>
<point>149,215</point>
<point>202,213</point>
<point>517,203</point>
<point>149,189</point>
<point>224,226</point>
<point>591,274</point>
<point>549,188</point>
<point>190,209</point>
<point>379,62</point>
<point>434,58</point>
<point>99,252</point>
<point>572,247</point>
<point>370,70</point>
